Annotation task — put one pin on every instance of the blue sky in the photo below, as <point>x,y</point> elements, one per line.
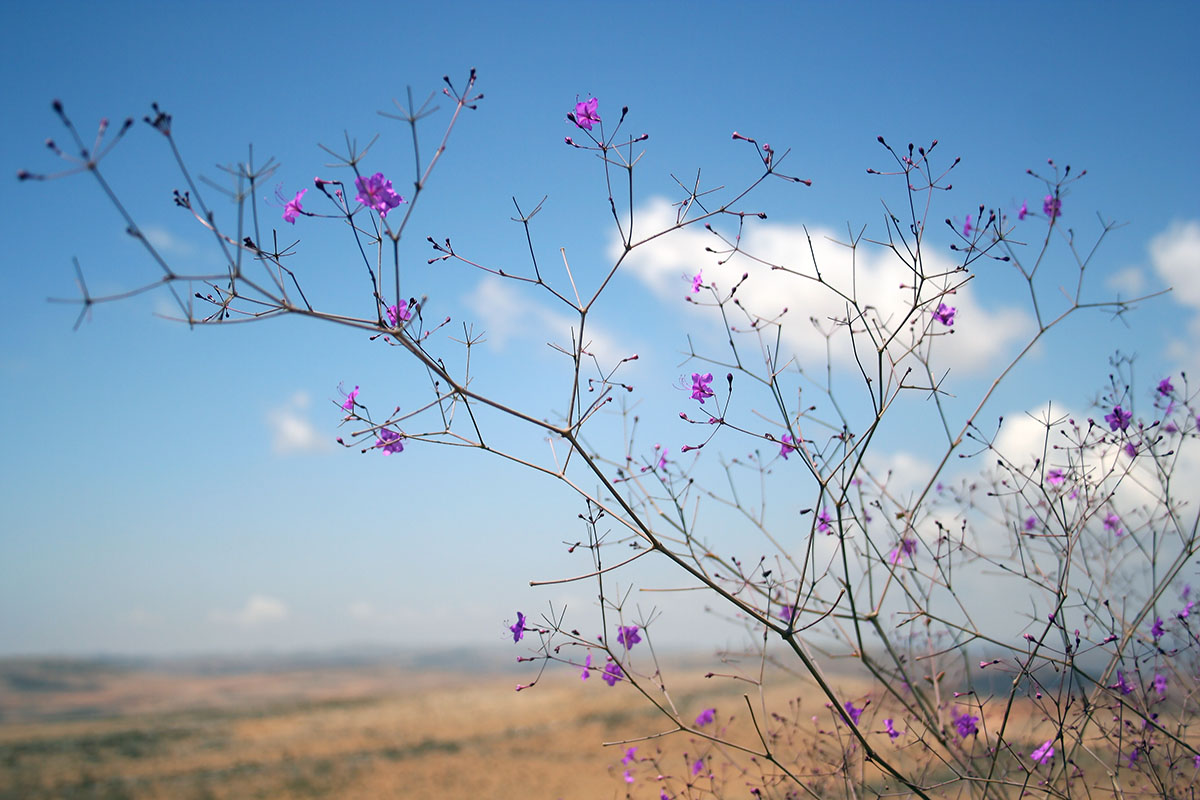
<point>171,490</point>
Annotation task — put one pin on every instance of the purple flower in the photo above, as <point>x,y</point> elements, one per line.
<point>965,724</point>
<point>1023,210</point>
<point>585,113</point>
<point>1112,524</point>
<point>823,520</point>
<point>1122,684</point>
<point>706,716</point>
<point>945,314</point>
<point>587,667</point>
<point>389,442</point>
<point>627,635</point>
<point>1030,523</point>
<point>854,713</point>
<point>697,280</point>
<point>1133,756</point>
<point>1055,476</point>
<point>1118,419</point>
<point>787,444</point>
<point>891,729</point>
<point>1130,449</point>
<point>700,384</point>
<point>292,209</point>
<point>1160,684</point>
<point>1044,753</point>
<point>906,547</point>
<point>1187,608</point>
<point>518,630</point>
<point>1156,630</point>
<point>628,777</point>
<point>398,313</point>
<point>350,398</point>
<point>630,755</point>
<point>612,673</point>
<point>967,226</point>
<point>698,767</point>
<point>376,192</point>
<point>1165,388</point>
<point>1052,207</point>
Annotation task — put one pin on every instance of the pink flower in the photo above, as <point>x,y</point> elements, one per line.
<point>630,755</point>
<point>1052,207</point>
<point>700,386</point>
<point>787,444</point>
<point>389,442</point>
<point>823,520</point>
<point>697,280</point>
<point>1043,754</point>
<point>706,716</point>
<point>1112,523</point>
<point>585,113</point>
<point>1055,476</point>
<point>398,313</point>
<point>945,314</point>
<point>1023,210</point>
<point>1118,419</point>
<point>350,400</point>
<point>967,226</point>
<point>293,207</point>
<point>376,192</point>
<point>906,547</point>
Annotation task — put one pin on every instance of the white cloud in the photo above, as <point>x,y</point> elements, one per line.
<point>507,312</point>
<point>871,274</point>
<point>361,610</point>
<point>260,609</point>
<point>1131,280</point>
<point>166,242</point>
<point>1175,254</point>
<point>293,432</point>
<point>1175,257</point>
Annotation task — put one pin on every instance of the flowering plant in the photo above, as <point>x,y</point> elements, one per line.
<point>862,565</point>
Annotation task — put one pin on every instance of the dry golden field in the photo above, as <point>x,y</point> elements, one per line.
<point>80,730</point>
<point>400,727</point>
